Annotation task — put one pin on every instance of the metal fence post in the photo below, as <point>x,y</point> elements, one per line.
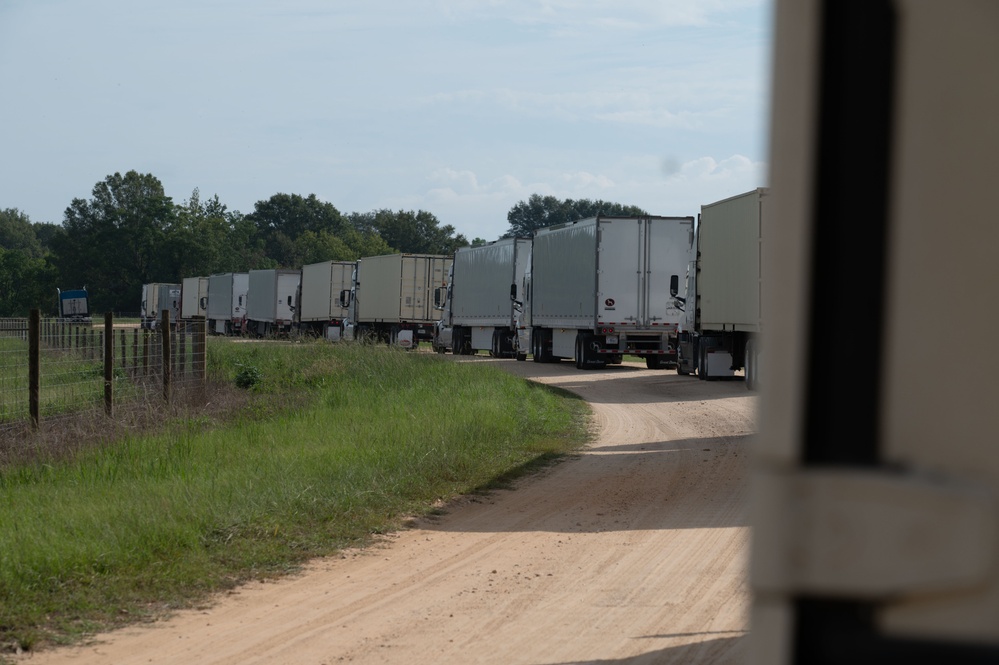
<point>108,363</point>
<point>34,366</point>
<point>165,337</point>
<point>201,330</point>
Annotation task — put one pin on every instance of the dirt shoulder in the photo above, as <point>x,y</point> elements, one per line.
<point>634,551</point>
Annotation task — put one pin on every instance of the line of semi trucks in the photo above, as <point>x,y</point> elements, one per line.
<point>677,292</point>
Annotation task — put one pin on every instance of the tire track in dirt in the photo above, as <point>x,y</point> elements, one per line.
<point>634,551</point>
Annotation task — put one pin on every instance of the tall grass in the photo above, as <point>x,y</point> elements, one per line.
<point>342,443</point>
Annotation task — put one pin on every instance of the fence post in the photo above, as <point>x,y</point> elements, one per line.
<point>108,363</point>
<point>165,336</point>
<point>34,366</point>
<point>182,351</point>
<point>201,330</point>
<point>135,352</point>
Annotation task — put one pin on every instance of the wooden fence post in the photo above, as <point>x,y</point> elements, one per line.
<point>34,367</point>
<point>165,336</point>
<point>108,363</point>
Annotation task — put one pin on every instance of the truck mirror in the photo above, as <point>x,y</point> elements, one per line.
<point>345,298</point>
<point>674,285</point>
<point>513,291</point>
<point>438,298</point>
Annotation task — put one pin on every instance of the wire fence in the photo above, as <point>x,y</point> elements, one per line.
<point>54,367</point>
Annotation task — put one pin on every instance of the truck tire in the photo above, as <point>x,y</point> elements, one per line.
<point>584,354</point>
<point>460,346</point>
<point>494,345</point>
<point>702,363</point>
<point>542,354</point>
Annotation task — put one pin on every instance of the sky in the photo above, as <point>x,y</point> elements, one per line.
<point>462,108</point>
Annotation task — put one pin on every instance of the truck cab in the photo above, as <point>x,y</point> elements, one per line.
<point>443,340</point>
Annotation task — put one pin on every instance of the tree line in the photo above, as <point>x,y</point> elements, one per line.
<point>130,233</point>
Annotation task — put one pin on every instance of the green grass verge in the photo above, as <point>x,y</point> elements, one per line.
<point>341,442</point>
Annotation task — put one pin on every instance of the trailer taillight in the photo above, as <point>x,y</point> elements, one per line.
<point>607,331</point>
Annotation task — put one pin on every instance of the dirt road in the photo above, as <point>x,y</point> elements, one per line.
<point>634,552</point>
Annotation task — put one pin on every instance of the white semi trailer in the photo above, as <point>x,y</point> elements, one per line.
<point>193,297</point>
<point>391,298</point>
<point>319,311</point>
<point>603,287</point>
<point>723,321</point>
<point>227,302</point>
<point>478,303</point>
<point>157,297</point>
<point>270,303</point>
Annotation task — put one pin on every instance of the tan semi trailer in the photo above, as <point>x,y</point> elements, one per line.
<point>876,492</point>
<point>391,298</point>
<point>723,319</point>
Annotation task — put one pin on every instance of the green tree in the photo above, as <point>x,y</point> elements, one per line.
<point>281,219</point>
<point>538,211</point>
<point>410,232</point>
<point>206,238</point>
<point>115,242</point>
<point>17,232</point>
<point>311,247</point>
<point>26,282</point>
<point>46,232</point>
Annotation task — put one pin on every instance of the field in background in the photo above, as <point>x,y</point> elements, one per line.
<point>335,443</point>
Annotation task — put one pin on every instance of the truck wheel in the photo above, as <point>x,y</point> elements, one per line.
<point>521,357</point>
<point>585,356</point>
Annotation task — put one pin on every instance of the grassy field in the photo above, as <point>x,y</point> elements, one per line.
<point>72,376</point>
<point>336,443</point>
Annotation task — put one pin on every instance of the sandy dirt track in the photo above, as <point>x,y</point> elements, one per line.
<point>633,552</point>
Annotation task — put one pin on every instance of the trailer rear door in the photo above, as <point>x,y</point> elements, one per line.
<point>621,260</point>
<point>668,251</point>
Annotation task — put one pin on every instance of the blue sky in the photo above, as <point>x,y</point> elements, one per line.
<point>458,107</point>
